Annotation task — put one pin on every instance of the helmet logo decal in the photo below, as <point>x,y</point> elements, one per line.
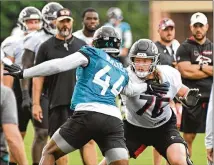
<point>65,12</point>
<point>24,13</point>
<point>47,9</point>
<point>141,54</point>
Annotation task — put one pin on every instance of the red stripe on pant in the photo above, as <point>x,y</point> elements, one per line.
<point>139,150</point>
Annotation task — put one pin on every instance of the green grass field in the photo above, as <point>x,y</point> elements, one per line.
<point>199,155</point>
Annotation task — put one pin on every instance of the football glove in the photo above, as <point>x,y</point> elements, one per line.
<point>26,100</point>
<point>191,98</point>
<point>157,89</point>
<point>13,69</point>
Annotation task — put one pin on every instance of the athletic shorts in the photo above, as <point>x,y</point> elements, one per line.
<point>57,117</point>
<point>138,138</point>
<point>107,131</point>
<point>194,119</point>
<point>24,115</point>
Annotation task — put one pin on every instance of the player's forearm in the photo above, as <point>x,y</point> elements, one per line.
<point>208,70</point>
<point>56,66</point>
<point>37,89</point>
<point>8,81</point>
<point>25,83</point>
<point>15,143</point>
<point>193,72</point>
<point>28,59</point>
<point>182,91</point>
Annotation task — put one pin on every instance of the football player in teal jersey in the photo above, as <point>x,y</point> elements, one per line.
<point>100,78</point>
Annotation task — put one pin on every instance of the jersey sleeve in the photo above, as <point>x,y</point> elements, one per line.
<point>175,78</point>
<point>8,46</point>
<point>172,75</point>
<point>182,54</point>
<point>8,107</point>
<point>89,52</point>
<point>30,42</point>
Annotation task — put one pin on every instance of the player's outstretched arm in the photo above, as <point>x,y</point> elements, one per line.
<point>188,97</point>
<point>53,66</point>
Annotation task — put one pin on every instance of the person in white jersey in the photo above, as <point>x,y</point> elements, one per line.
<point>90,21</point>
<point>149,119</point>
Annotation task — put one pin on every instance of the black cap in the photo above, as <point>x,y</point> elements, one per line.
<point>64,14</point>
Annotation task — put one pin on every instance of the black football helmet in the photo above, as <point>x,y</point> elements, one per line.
<point>107,39</point>
<point>26,14</point>
<point>144,48</point>
<point>49,14</point>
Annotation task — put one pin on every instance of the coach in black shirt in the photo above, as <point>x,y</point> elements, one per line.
<point>60,86</point>
<point>195,63</point>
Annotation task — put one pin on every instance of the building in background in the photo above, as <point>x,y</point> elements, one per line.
<point>180,12</point>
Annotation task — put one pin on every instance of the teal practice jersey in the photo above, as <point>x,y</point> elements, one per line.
<point>101,80</point>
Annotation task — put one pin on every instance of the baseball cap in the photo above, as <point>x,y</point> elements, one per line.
<point>198,18</point>
<point>64,14</point>
<point>166,22</point>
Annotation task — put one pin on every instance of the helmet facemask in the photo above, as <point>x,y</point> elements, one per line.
<point>144,49</point>
<point>143,69</point>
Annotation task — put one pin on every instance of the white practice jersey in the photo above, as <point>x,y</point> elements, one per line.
<point>13,46</point>
<point>33,40</point>
<point>149,111</point>
<point>79,34</point>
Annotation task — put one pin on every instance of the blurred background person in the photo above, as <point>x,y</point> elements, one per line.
<point>30,20</point>
<point>209,130</point>
<point>167,46</point>
<point>38,109</point>
<point>90,23</point>
<point>115,17</point>
<point>9,131</point>
<point>195,63</point>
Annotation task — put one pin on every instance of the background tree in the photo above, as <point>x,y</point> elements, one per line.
<point>134,12</point>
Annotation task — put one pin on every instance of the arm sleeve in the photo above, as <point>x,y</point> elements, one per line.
<point>57,65</point>
<point>182,54</point>
<point>209,124</point>
<point>8,106</point>
<point>8,46</point>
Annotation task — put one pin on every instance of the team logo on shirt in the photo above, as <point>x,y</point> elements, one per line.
<point>203,60</point>
<point>196,53</point>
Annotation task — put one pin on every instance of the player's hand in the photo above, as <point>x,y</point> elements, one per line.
<point>26,100</point>
<point>13,69</point>
<point>210,155</point>
<point>157,88</point>
<point>191,99</point>
<point>37,112</point>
